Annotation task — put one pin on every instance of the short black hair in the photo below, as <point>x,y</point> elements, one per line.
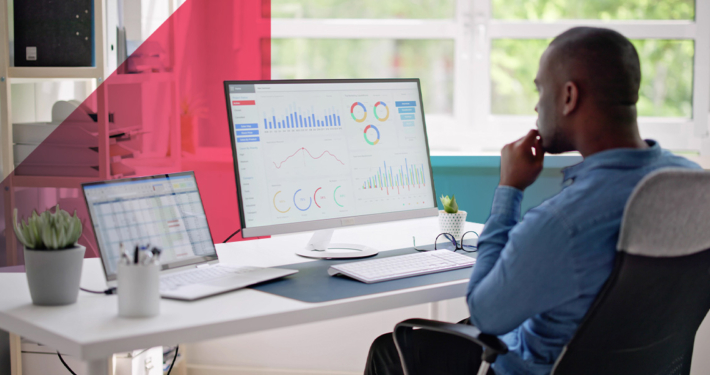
<point>604,62</point>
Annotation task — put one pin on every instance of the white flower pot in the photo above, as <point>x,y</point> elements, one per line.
<point>452,223</point>
<point>53,275</point>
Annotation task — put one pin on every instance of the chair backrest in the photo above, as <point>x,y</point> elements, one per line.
<point>645,318</point>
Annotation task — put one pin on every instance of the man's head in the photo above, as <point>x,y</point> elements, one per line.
<point>588,84</point>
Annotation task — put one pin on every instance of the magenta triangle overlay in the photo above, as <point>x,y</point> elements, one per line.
<point>202,44</point>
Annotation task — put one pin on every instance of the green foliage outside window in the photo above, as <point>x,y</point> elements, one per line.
<point>666,65</point>
<point>666,76</point>
<point>429,60</point>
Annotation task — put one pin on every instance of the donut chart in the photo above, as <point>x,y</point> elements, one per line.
<point>310,201</point>
<point>335,197</point>
<point>352,112</point>
<point>314,198</point>
<point>368,127</point>
<point>277,209</point>
<point>374,110</point>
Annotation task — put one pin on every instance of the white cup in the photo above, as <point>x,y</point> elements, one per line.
<point>138,290</point>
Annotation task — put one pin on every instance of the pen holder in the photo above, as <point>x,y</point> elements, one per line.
<point>138,290</point>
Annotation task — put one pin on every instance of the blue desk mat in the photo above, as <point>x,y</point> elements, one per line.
<point>313,284</point>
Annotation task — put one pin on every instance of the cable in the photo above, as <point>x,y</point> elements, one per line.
<point>238,230</point>
<point>83,234</point>
<point>65,364</point>
<point>174,358</point>
<point>107,292</point>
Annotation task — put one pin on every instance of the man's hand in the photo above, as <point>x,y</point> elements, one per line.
<point>519,167</point>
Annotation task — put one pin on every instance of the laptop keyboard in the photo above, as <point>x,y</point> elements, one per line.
<point>201,275</point>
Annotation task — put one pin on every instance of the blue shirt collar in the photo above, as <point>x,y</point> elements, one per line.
<point>616,158</point>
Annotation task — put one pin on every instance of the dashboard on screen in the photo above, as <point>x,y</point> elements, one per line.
<point>309,151</point>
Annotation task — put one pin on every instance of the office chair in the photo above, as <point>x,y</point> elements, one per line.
<point>644,320</point>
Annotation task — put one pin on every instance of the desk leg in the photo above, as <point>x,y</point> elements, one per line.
<point>435,310</point>
<point>99,367</point>
<point>15,354</point>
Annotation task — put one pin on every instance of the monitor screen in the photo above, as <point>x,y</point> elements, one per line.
<point>164,211</point>
<point>321,154</point>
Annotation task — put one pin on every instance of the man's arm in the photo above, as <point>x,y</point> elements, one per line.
<point>518,265</point>
<point>505,214</point>
<point>532,272</point>
<point>519,168</point>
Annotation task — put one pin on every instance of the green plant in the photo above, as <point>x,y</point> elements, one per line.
<point>450,205</point>
<point>48,231</point>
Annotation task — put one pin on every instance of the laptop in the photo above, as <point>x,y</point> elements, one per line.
<point>165,211</point>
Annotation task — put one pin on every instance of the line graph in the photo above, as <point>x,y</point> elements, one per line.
<point>305,151</point>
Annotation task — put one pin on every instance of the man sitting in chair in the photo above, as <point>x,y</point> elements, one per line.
<point>536,278</point>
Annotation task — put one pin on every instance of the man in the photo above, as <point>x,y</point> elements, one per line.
<point>535,279</point>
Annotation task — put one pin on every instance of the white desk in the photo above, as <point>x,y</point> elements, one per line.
<point>92,331</point>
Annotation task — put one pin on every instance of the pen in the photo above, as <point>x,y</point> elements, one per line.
<point>125,259</point>
<point>135,255</point>
<point>156,254</point>
<point>146,257</point>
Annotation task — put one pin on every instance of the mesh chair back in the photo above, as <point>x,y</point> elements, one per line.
<point>645,318</point>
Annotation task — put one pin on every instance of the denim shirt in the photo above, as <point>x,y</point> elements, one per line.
<point>535,278</point>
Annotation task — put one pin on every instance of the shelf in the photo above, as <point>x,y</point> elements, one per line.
<point>50,181</point>
<point>39,72</point>
<point>122,79</point>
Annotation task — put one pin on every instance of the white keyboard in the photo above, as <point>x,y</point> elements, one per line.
<point>200,275</point>
<point>397,267</point>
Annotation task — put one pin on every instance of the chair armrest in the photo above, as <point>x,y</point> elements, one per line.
<point>491,344</point>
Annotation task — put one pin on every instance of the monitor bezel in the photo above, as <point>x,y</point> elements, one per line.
<point>312,225</point>
<point>165,266</point>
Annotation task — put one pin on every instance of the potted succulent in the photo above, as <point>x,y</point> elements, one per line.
<point>53,258</point>
<point>451,219</point>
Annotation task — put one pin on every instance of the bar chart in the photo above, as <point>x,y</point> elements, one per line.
<point>388,179</point>
<point>297,118</point>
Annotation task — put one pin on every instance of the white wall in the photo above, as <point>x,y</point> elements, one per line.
<point>142,18</point>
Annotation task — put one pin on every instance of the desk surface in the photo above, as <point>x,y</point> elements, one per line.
<point>91,329</point>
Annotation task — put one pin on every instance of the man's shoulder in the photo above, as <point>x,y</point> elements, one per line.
<point>602,196</point>
<point>670,160</point>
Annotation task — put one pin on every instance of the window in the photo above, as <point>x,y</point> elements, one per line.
<point>477,58</point>
<point>363,9</point>
<point>666,82</point>
<point>429,60</point>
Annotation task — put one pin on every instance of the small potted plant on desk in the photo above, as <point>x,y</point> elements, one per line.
<point>53,258</point>
<point>451,220</point>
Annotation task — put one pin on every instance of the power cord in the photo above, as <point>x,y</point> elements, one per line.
<point>107,292</point>
<point>174,358</point>
<point>233,234</point>
<point>65,364</point>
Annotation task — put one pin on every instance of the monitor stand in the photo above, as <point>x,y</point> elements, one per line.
<point>319,248</point>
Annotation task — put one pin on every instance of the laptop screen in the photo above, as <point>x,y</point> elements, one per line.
<point>164,211</point>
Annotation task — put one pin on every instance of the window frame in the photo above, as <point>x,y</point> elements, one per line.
<point>473,29</point>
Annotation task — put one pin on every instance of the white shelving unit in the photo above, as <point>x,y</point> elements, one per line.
<point>96,75</point>
<point>10,74</point>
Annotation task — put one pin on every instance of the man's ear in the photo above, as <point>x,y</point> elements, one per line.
<point>570,96</point>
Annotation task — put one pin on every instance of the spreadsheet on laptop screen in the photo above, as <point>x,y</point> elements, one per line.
<point>164,211</point>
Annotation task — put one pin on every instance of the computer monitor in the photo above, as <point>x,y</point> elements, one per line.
<point>164,211</point>
<point>314,155</point>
